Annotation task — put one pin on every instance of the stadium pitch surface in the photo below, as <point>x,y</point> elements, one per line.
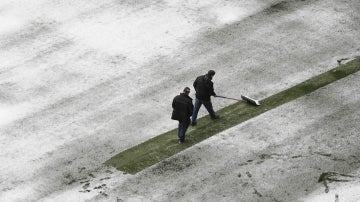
<point>165,145</point>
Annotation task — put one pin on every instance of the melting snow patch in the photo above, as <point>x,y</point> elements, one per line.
<point>349,193</point>
<point>9,113</point>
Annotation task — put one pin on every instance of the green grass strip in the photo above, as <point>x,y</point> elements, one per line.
<point>166,145</point>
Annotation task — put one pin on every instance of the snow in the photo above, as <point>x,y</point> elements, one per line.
<point>82,80</point>
<point>348,193</point>
<point>9,113</point>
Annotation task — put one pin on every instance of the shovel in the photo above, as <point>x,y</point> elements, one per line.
<point>243,99</point>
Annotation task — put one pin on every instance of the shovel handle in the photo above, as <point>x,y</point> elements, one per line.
<point>230,98</point>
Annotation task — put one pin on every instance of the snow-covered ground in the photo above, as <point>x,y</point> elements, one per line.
<point>82,80</point>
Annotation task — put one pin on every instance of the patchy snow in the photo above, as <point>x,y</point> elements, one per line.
<point>9,113</point>
<point>347,192</point>
<point>83,80</point>
<point>281,163</point>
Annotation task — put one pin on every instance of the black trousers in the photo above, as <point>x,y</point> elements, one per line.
<point>183,126</point>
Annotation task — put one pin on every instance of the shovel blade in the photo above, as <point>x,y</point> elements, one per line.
<point>250,100</point>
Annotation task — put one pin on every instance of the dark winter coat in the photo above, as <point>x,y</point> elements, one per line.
<point>182,107</point>
<point>204,88</point>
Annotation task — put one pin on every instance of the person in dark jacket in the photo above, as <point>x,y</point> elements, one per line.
<point>204,88</point>
<point>182,110</point>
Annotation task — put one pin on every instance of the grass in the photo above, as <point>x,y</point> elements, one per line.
<point>166,145</point>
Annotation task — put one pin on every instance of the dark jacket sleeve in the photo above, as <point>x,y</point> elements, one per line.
<point>195,82</point>
<point>173,103</point>
<point>191,108</point>
<point>211,87</point>
<point>174,114</point>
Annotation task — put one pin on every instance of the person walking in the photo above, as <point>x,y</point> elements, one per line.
<point>204,88</point>
<point>182,110</point>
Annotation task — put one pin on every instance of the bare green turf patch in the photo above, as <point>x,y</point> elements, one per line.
<point>166,145</point>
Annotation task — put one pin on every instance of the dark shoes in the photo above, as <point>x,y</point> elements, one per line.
<point>182,141</point>
<point>213,118</point>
